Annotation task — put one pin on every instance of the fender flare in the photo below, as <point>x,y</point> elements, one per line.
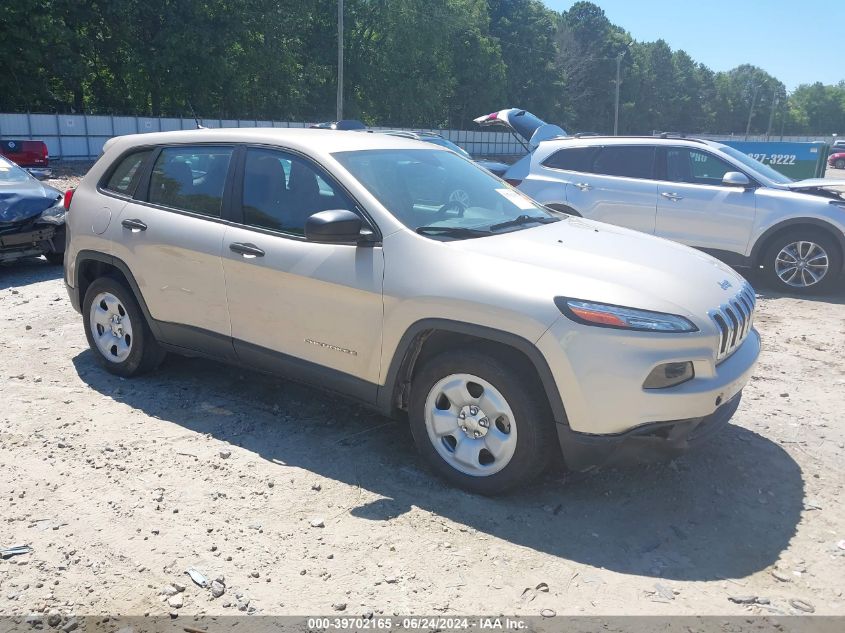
<point>88,255</point>
<point>412,340</point>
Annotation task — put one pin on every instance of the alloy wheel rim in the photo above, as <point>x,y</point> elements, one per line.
<point>470,425</point>
<point>111,327</point>
<point>801,264</point>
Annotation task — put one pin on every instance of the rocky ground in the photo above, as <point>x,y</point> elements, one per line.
<point>288,501</point>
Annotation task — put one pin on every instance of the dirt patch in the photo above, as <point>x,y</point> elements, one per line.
<point>300,501</point>
<point>68,174</point>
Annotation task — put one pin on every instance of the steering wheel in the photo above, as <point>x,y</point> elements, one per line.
<point>457,205</point>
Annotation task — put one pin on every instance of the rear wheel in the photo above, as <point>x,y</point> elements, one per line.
<point>479,423</point>
<point>839,163</point>
<point>117,331</point>
<point>805,262</point>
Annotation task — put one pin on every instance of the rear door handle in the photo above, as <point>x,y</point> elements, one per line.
<point>584,186</point>
<point>674,197</point>
<point>134,225</point>
<point>247,250</point>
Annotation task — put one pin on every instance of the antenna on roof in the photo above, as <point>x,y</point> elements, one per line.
<point>200,126</point>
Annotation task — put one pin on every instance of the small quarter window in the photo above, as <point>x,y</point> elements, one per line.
<point>572,159</point>
<point>191,178</point>
<point>125,176</point>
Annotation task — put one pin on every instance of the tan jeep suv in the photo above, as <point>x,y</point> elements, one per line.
<point>402,275</point>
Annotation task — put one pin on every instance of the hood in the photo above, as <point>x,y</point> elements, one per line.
<point>814,183</point>
<point>21,201</point>
<point>522,123</point>
<point>583,259</point>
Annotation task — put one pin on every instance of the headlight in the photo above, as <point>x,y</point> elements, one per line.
<point>55,214</point>
<point>622,318</point>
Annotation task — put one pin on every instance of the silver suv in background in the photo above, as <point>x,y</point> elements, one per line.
<point>697,192</point>
<point>506,333</point>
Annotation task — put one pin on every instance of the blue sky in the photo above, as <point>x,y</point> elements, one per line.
<point>797,42</point>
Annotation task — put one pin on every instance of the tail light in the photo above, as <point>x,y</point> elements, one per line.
<point>513,182</point>
<point>68,198</point>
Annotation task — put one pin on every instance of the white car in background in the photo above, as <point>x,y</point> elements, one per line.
<point>697,192</point>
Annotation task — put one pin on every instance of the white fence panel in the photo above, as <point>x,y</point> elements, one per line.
<point>170,125</point>
<point>146,124</point>
<point>12,125</point>
<point>95,145</point>
<point>74,136</point>
<point>43,124</point>
<point>99,126</point>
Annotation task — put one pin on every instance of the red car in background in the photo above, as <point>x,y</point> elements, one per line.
<point>31,155</point>
<point>837,160</point>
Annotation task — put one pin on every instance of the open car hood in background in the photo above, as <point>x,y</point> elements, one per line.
<point>524,124</point>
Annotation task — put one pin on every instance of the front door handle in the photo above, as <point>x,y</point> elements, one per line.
<point>134,225</point>
<point>674,197</point>
<point>245,249</point>
<point>584,186</point>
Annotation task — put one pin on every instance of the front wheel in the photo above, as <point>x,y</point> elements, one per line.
<point>117,331</point>
<point>805,262</point>
<point>480,424</point>
<point>840,163</point>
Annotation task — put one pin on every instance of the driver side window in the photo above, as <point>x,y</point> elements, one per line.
<point>281,191</point>
<point>695,167</point>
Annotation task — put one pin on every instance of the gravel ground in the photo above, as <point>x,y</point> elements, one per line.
<point>303,503</point>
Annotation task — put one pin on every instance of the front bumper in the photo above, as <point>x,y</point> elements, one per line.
<point>644,444</point>
<point>599,373</point>
<point>34,241</point>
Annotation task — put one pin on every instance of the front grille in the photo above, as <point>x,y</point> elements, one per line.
<point>734,320</point>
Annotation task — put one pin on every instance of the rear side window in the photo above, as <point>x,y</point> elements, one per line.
<point>191,178</point>
<point>125,176</point>
<point>572,159</point>
<point>634,161</point>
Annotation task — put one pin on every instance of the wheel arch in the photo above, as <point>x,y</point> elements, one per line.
<point>765,240</point>
<point>91,265</point>
<point>426,338</point>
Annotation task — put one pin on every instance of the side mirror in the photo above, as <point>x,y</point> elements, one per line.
<point>338,226</point>
<point>736,179</point>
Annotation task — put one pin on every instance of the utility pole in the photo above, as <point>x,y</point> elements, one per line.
<point>772,115</point>
<point>616,107</point>
<point>339,60</point>
<point>751,110</point>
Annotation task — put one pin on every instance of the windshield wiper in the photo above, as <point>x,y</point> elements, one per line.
<point>523,219</point>
<point>452,231</point>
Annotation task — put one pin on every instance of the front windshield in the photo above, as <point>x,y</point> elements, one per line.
<point>442,142</point>
<point>441,195</point>
<point>756,165</point>
<point>11,173</point>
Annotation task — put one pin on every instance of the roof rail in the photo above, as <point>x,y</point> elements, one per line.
<point>661,135</point>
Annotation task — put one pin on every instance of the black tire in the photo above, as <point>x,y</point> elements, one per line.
<point>825,241</point>
<point>57,259</point>
<point>839,163</point>
<point>536,439</point>
<point>145,353</point>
